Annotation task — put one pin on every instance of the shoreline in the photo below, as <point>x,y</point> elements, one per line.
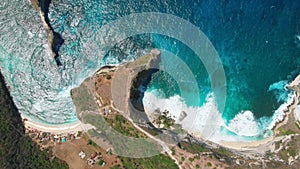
<point>236,145</point>
<point>263,144</point>
<point>59,128</point>
<point>54,39</point>
<point>290,110</point>
<point>242,145</point>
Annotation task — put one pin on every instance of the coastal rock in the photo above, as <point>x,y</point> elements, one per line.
<point>290,160</point>
<point>129,82</point>
<point>295,84</point>
<point>55,40</point>
<point>182,115</point>
<point>237,161</point>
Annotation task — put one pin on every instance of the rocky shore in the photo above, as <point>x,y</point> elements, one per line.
<point>129,77</point>
<point>119,90</point>
<point>55,40</point>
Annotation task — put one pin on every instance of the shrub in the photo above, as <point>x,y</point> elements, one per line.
<point>182,158</point>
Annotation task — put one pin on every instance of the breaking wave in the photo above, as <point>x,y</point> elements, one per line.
<point>206,121</point>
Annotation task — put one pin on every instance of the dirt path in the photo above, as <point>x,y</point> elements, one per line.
<point>162,143</point>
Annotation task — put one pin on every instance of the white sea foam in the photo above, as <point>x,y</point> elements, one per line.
<point>244,124</point>
<point>282,95</point>
<point>280,90</point>
<point>280,112</point>
<point>206,121</point>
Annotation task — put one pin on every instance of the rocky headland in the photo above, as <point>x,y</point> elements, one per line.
<point>129,80</point>
<point>55,40</point>
<point>113,95</point>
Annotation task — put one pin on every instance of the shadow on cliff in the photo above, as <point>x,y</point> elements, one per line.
<point>57,39</point>
<point>17,149</point>
<point>137,91</point>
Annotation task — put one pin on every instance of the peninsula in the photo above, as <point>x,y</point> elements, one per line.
<point>115,93</point>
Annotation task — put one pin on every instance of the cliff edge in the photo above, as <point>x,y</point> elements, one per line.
<point>54,39</point>
<point>127,82</point>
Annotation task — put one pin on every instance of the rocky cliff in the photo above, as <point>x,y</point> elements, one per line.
<point>128,79</point>
<point>54,39</point>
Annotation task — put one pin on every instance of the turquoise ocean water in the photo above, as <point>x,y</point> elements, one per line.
<point>258,43</point>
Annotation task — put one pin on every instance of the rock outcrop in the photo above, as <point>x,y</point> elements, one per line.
<point>54,39</point>
<point>128,82</point>
<point>295,85</point>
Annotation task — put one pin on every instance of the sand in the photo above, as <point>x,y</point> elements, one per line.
<point>60,128</point>
<point>245,145</point>
<point>265,143</point>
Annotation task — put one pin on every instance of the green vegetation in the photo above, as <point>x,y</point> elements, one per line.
<point>297,124</point>
<point>284,132</point>
<point>182,158</point>
<point>123,126</point>
<point>79,134</point>
<point>115,167</point>
<point>173,151</point>
<point>150,131</point>
<point>155,162</point>
<point>223,152</point>
<point>164,119</point>
<point>101,162</point>
<point>209,164</point>
<point>90,142</point>
<point>192,147</point>
<point>277,144</point>
<point>291,149</point>
<point>197,166</point>
<point>16,149</point>
<point>292,152</point>
<point>158,161</point>
<point>191,159</point>
<point>122,145</point>
<point>283,155</point>
<point>83,99</point>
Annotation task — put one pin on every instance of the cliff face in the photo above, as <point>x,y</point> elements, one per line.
<point>295,85</point>
<point>141,80</point>
<point>54,39</point>
<point>16,149</point>
<point>126,83</point>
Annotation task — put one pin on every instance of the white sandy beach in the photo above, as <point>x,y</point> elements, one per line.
<point>239,145</point>
<point>60,128</point>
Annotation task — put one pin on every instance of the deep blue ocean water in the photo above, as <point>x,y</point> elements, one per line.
<point>258,43</point>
